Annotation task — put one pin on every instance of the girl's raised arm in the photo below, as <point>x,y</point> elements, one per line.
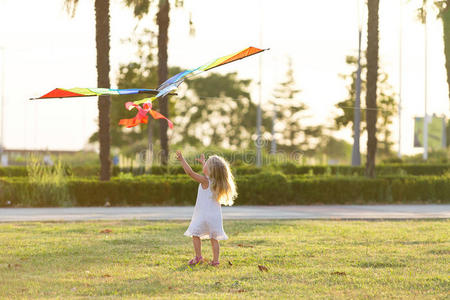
<point>197,177</point>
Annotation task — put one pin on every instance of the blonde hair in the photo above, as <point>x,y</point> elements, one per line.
<point>222,180</point>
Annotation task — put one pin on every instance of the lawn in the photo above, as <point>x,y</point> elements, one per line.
<point>298,259</point>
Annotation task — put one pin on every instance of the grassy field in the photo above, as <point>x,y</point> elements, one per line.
<point>302,259</point>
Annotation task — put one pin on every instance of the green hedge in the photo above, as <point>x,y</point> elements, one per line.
<point>13,171</point>
<point>286,168</point>
<point>21,171</point>
<point>295,169</point>
<point>390,169</point>
<point>259,189</point>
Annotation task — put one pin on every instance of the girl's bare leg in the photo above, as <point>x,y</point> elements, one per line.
<point>197,246</point>
<point>215,249</point>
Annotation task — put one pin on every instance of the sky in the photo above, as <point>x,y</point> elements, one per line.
<point>44,48</point>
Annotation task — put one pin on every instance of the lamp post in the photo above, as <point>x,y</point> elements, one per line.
<point>356,155</point>
<point>258,117</point>
<point>425,119</point>
<point>2,107</point>
<point>273,146</point>
<point>399,154</point>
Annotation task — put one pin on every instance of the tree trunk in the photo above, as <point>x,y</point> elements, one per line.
<point>162,20</point>
<point>104,102</point>
<point>149,156</point>
<point>446,28</point>
<point>371,94</point>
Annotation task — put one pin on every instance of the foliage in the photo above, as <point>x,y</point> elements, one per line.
<point>335,149</point>
<point>386,104</point>
<point>443,8</point>
<point>382,169</point>
<point>141,8</point>
<point>288,130</point>
<point>259,189</point>
<point>144,7</point>
<point>240,167</point>
<point>217,110</point>
<point>43,186</point>
<point>102,31</point>
<point>434,157</point>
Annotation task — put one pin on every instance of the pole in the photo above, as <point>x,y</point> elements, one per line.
<point>444,132</point>
<point>2,122</point>
<point>399,154</point>
<point>258,118</point>
<point>273,146</point>
<point>425,119</point>
<point>356,154</point>
<point>149,156</point>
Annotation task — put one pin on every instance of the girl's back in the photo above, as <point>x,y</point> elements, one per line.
<point>207,218</point>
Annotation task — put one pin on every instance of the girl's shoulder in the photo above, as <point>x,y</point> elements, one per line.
<point>206,187</point>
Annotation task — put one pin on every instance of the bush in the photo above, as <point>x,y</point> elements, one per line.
<point>258,189</point>
<point>13,171</point>
<point>43,186</point>
<point>388,169</point>
<point>246,169</point>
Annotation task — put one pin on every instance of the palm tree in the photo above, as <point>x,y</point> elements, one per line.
<point>102,30</point>
<point>372,76</point>
<point>162,18</point>
<point>141,8</point>
<point>444,15</point>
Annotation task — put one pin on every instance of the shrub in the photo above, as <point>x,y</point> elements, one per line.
<point>389,169</point>
<point>261,189</point>
<point>43,186</point>
<point>13,171</point>
<point>246,169</point>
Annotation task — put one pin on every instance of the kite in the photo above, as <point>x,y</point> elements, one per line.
<point>166,88</point>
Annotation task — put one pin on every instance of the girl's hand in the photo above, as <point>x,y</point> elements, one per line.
<point>179,155</point>
<point>201,159</point>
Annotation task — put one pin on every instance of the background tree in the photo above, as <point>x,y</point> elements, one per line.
<point>371,88</point>
<point>335,149</point>
<point>141,72</point>
<point>162,19</point>
<point>217,110</point>
<point>290,134</point>
<point>447,130</point>
<point>386,107</point>
<point>142,8</point>
<point>102,30</point>
<point>444,14</point>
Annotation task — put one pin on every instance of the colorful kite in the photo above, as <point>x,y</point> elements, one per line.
<point>164,89</point>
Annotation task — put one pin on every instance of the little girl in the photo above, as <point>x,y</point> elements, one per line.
<point>216,187</point>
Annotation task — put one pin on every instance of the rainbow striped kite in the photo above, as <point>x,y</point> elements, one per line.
<point>166,88</point>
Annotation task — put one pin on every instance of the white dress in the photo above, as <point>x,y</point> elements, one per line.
<point>206,221</point>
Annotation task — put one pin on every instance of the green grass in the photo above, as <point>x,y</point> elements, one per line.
<point>304,258</point>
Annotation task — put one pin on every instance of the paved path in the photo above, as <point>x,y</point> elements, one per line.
<point>235,212</point>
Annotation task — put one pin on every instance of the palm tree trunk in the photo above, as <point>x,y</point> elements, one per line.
<point>149,156</point>
<point>104,102</point>
<point>445,16</point>
<point>371,94</point>
<point>162,20</point>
